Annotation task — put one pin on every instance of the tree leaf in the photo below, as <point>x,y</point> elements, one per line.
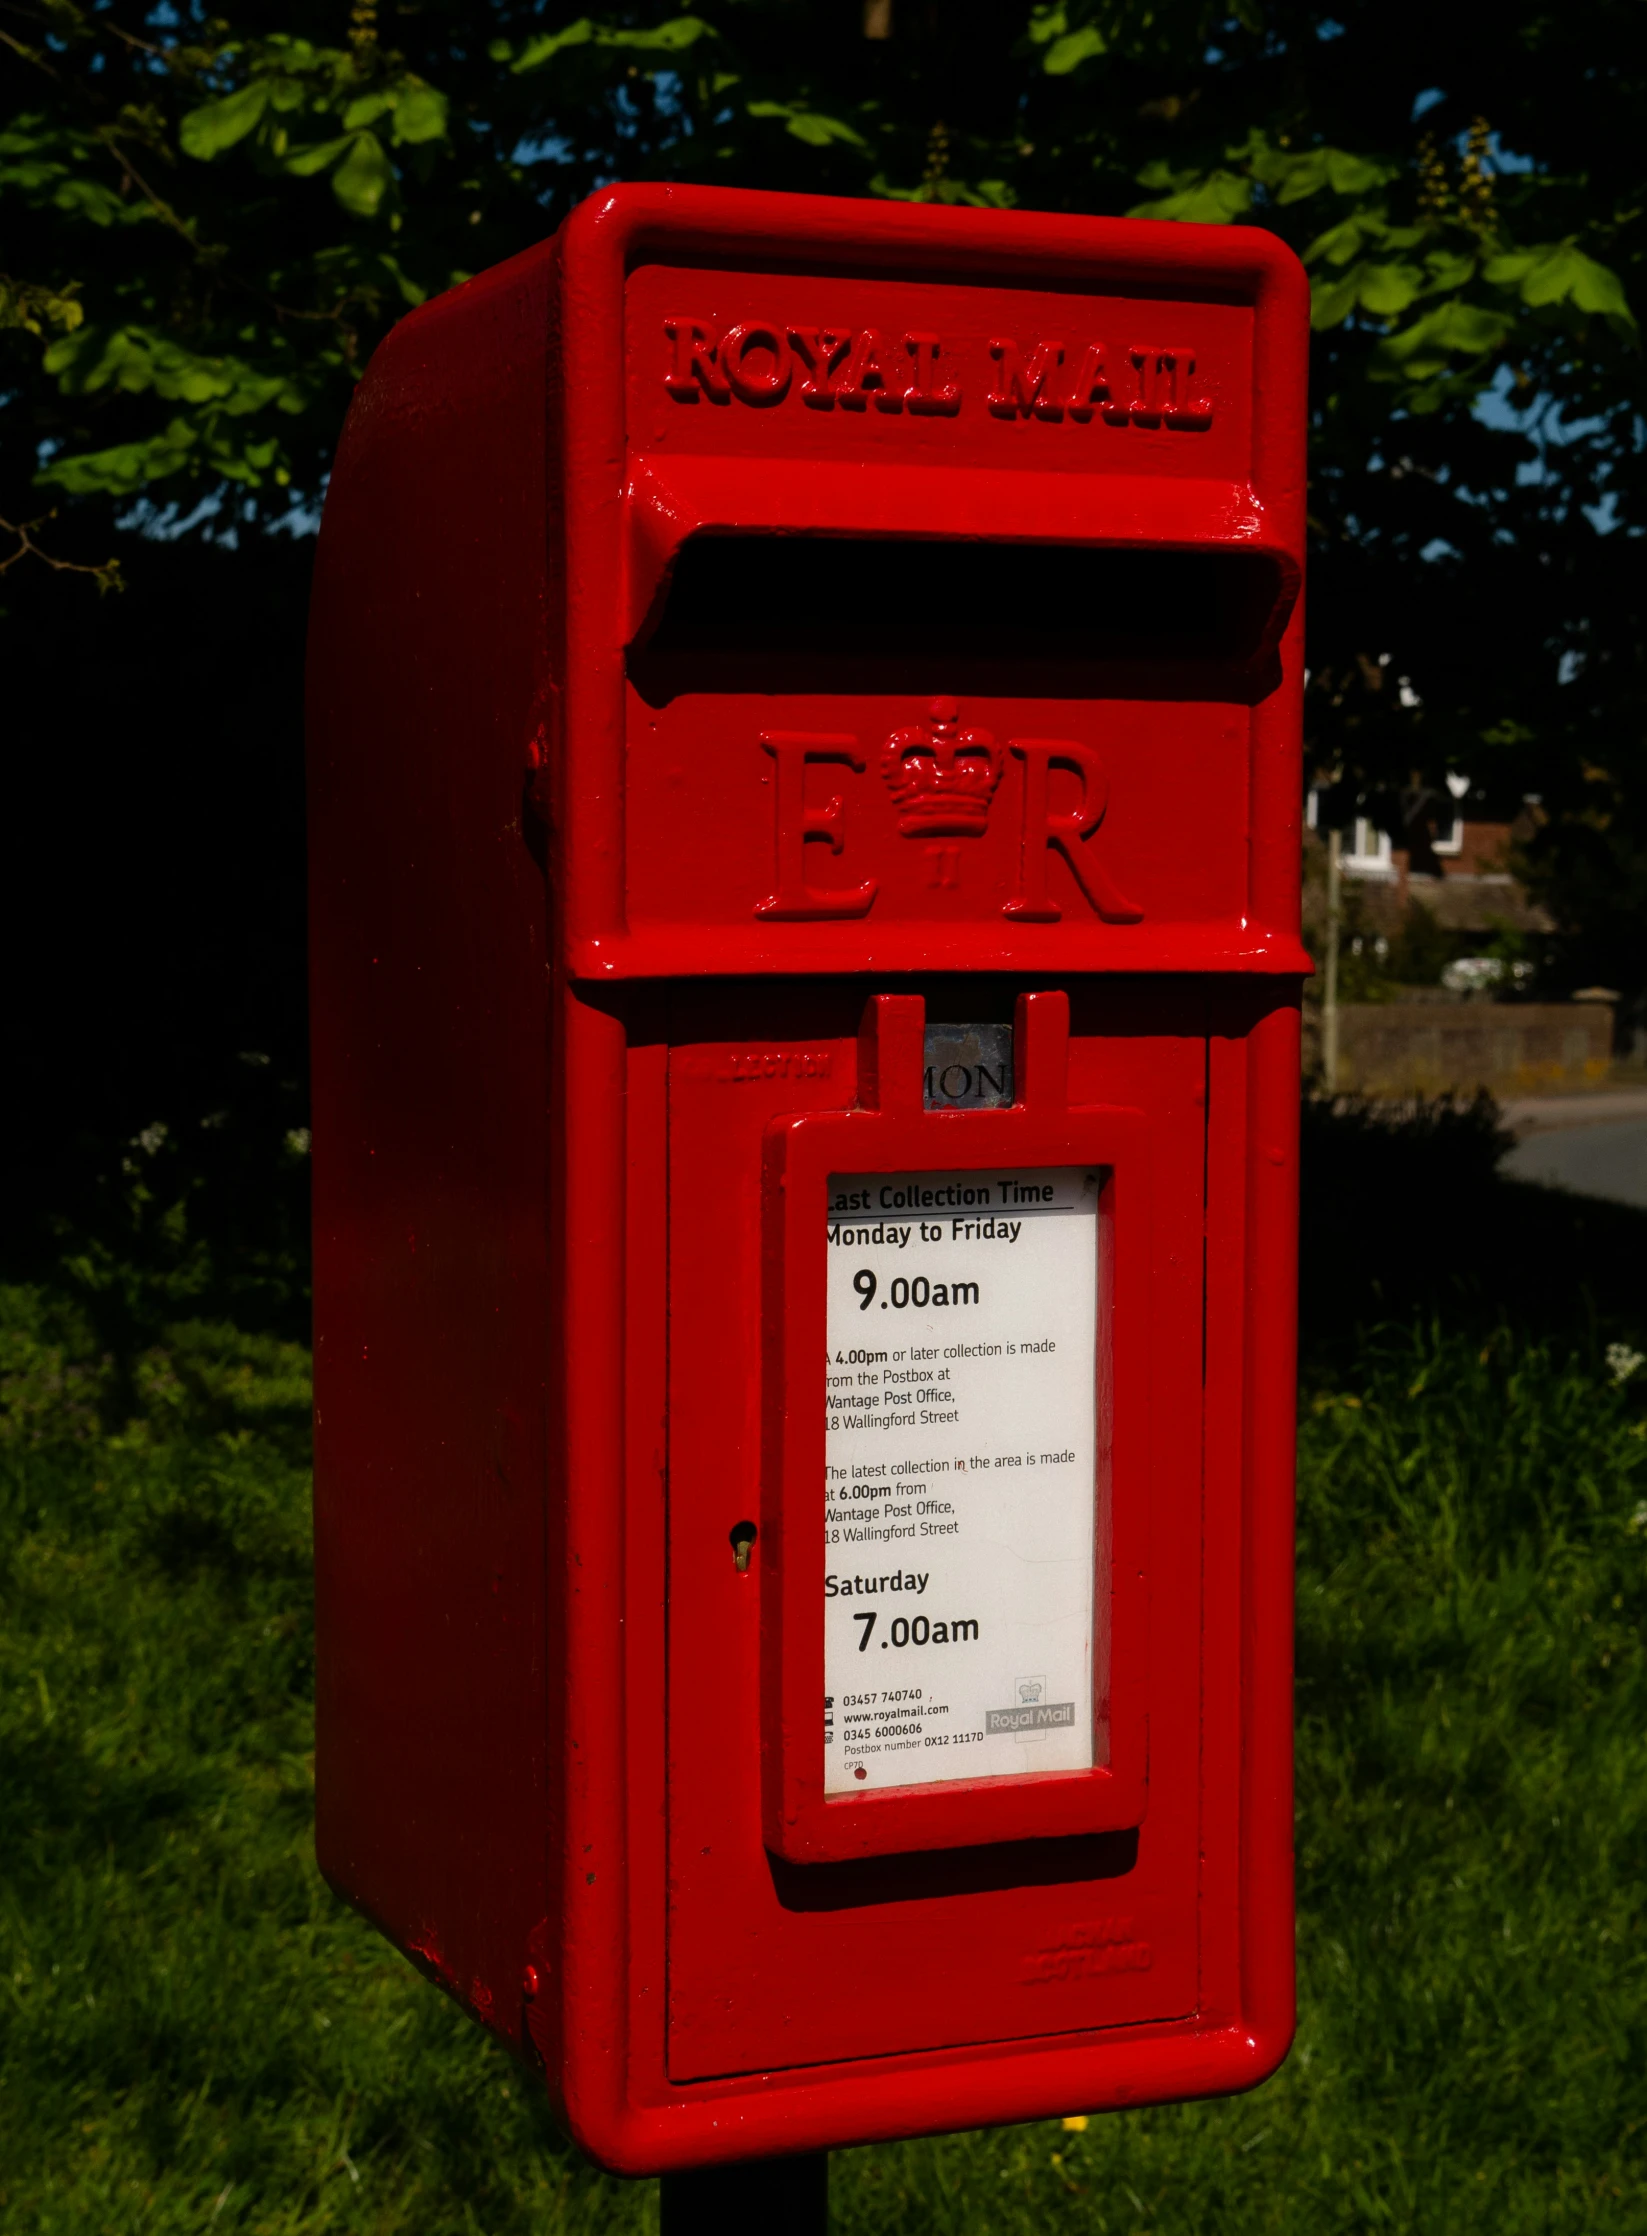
<point>206,132</point>
<point>1294,176</point>
<point>1448,269</point>
<point>364,176</point>
<point>1074,48</point>
<point>27,306</point>
<point>1509,269</point>
<point>806,124</point>
<point>673,37</point>
<point>1357,174</point>
<point>90,198</point>
<point>1471,327</point>
<point>303,55</point>
<point>1387,289</point>
<point>1564,274</point>
<point>183,447</point>
<point>365,109</point>
<point>1421,350</point>
<point>1340,244</point>
<point>99,357</point>
<point>420,114</point>
<point>125,469</point>
<point>138,358</point>
<point>1331,301</point>
<point>1217,199</point>
<point>988,194</point>
<point>1558,274</point>
<point>407,288</point>
<point>548,44</point>
<point>318,155</point>
<point>1596,287</point>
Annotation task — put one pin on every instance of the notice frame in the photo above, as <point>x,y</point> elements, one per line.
<point>803,1822</point>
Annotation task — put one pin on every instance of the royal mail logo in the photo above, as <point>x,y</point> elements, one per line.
<point>764,363</point>
<point>942,773</point>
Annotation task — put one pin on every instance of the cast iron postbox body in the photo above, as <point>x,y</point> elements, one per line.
<point>805,789</point>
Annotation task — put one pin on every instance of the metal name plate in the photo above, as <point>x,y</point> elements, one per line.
<point>968,1067</point>
<point>960,1474</point>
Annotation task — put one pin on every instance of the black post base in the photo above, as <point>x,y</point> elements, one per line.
<point>765,2197</point>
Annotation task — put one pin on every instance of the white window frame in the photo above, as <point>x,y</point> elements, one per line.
<point>1453,843</point>
<point>1370,851</point>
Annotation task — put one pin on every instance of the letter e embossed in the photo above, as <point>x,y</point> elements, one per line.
<point>795,822</point>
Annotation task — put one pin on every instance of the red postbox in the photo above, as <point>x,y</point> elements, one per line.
<point>805,797</point>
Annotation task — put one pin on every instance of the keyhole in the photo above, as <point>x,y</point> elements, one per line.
<point>743,1544</point>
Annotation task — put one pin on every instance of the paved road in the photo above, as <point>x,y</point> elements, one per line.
<point>1585,1146</point>
<point>1540,1113</point>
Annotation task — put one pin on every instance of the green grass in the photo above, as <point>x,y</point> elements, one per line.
<point>195,2036</point>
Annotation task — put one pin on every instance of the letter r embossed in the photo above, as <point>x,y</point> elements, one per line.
<point>1067,831</point>
<point>794,822</point>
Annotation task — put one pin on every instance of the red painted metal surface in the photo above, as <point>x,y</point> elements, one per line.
<point>744,628</point>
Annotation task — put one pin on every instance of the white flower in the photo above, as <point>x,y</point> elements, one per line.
<point>1473,974</point>
<point>1622,1362</point>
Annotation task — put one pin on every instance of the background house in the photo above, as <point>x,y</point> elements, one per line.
<point>1445,849</point>
<point>1442,951</point>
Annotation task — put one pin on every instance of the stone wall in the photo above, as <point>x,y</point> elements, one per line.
<point>1431,1047</point>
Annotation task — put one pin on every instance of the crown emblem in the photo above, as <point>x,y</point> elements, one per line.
<point>942,776</point>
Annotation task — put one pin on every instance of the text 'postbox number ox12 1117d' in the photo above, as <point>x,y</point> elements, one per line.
<point>804,703</point>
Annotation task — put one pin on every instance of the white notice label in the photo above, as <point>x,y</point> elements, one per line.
<point>960,1475</point>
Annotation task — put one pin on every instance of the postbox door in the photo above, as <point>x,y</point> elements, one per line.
<point>774,1963</point>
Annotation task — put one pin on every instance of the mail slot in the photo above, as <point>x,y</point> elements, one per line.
<point>805,780</point>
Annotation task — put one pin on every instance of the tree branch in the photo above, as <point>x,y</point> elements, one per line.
<point>106,577</point>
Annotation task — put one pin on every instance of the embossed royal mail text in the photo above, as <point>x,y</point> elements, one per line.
<point>764,363</point>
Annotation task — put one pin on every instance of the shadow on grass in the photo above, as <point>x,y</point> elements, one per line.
<point>1406,1215</point>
